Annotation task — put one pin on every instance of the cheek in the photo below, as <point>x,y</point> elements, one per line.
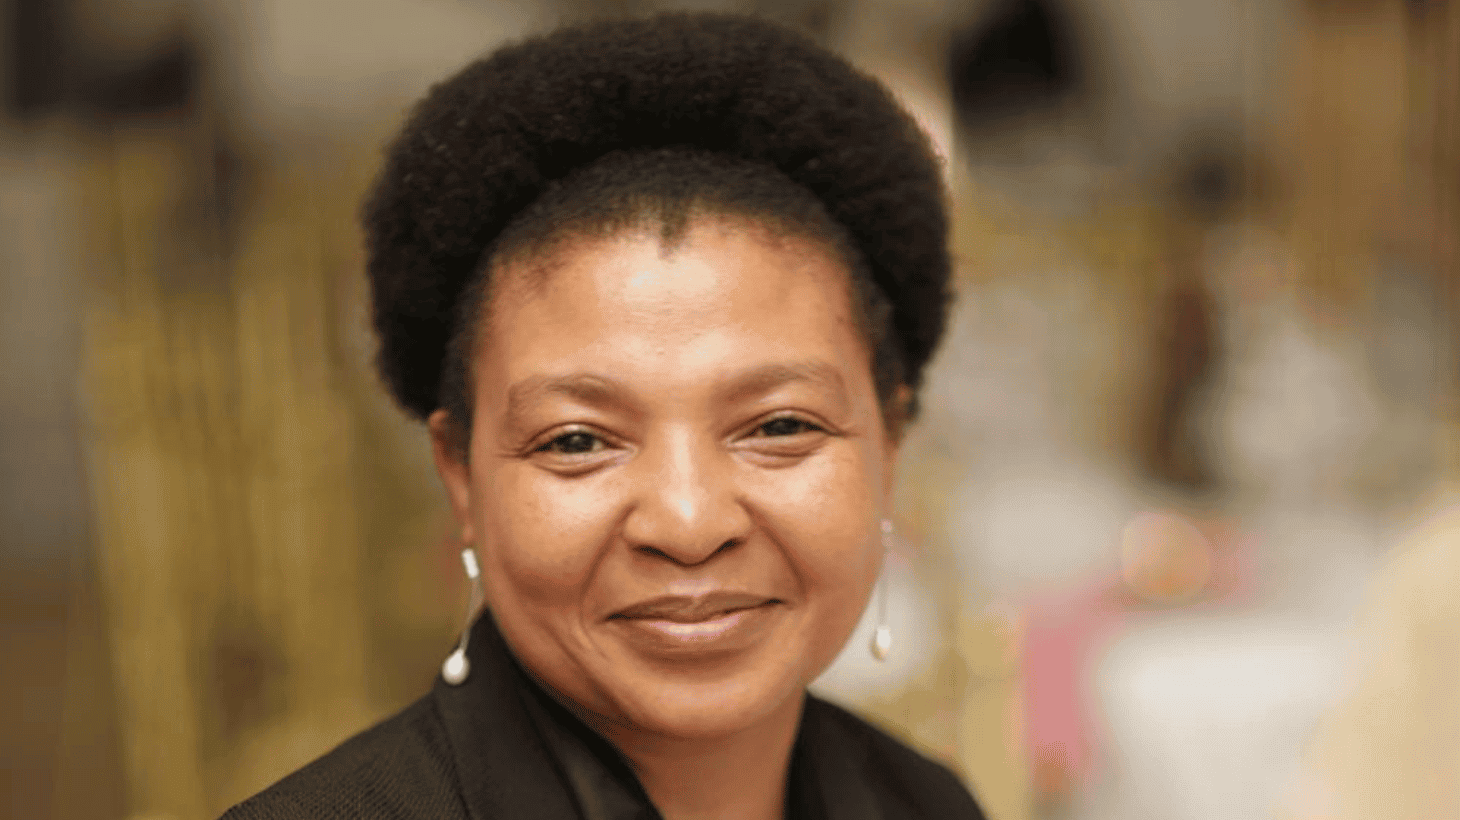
<point>826,520</point>
<point>826,513</point>
<point>543,535</point>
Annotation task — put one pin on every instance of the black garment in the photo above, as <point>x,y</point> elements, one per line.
<point>499,747</point>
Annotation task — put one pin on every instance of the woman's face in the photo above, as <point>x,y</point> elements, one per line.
<point>676,472</point>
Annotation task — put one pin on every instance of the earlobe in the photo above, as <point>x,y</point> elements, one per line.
<point>449,452</point>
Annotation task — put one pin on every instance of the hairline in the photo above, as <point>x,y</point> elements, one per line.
<point>542,254</point>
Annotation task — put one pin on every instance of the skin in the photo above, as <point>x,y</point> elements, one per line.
<point>655,421</point>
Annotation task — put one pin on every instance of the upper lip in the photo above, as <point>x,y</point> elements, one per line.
<point>690,609</point>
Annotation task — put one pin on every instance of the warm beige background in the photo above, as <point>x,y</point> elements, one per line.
<point>252,562</point>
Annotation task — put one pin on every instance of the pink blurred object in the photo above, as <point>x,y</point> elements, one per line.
<point>1066,628</point>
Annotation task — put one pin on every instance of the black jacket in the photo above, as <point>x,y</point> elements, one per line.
<point>499,747</point>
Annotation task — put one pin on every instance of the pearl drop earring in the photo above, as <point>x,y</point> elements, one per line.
<point>882,637</point>
<point>456,667</point>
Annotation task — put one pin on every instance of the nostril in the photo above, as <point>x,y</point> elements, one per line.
<point>667,555</point>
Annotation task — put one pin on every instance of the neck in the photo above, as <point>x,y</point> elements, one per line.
<point>739,777</point>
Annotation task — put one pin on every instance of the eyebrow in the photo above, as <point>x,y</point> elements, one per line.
<point>768,377</point>
<point>585,387</point>
<point>591,388</point>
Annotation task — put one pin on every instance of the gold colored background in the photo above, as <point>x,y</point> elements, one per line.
<point>255,563</point>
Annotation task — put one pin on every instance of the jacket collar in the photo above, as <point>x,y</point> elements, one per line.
<point>519,753</point>
<point>503,765</point>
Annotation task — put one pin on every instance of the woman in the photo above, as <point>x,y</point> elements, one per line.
<point>662,291</point>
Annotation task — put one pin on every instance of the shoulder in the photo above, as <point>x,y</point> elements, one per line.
<point>401,768</point>
<point>917,785</point>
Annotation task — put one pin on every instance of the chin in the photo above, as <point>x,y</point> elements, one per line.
<point>700,692</point>
<point>705,709</point>
<point>703,702</point>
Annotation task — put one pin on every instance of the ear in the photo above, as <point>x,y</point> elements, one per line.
<point>450,452</point>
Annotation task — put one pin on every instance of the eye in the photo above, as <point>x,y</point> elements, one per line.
<point>574,450</point>
<point>781,441</point>
<point>786,426</point>
<point>576,442</point>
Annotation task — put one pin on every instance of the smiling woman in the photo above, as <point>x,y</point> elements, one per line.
<point>662,291</point>
<point>703,419</point>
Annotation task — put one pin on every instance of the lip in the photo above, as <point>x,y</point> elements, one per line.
<point>689,609</point>
<point>676,626</point>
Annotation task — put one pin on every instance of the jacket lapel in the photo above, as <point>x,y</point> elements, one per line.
<point>520,756</point>
<point>504,767</point>
<point>833,765</point>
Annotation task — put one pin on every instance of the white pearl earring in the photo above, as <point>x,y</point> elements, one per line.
<point>882,637</point>
<point>456,667</point>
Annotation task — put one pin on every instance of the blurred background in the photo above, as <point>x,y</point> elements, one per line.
<point>1176,539</point>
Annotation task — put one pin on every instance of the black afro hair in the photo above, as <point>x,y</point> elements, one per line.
<point>484,145</point>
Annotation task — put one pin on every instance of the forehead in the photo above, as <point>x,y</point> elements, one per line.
<point>727,288</point>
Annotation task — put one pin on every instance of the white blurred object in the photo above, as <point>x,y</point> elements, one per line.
<point>1316,562</point>
<point>1205,718</point>
<point>1007,401</point>
<point>1309,415</point>
<point>1008,379</point>
<point>1039,523</point>
<point>1297,411</point>
<point>1202,711</point>
<point>991,387</point>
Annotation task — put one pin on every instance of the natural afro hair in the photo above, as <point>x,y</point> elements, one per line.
<point>484,146</point>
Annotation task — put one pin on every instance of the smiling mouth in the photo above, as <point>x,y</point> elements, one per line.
<point>684,609</point>
<point>717,625</point>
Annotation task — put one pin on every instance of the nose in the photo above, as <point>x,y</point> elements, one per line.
<point>687,507</point>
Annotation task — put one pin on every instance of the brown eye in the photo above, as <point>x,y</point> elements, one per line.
<point>786,426</point>
<point>572,443</point>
